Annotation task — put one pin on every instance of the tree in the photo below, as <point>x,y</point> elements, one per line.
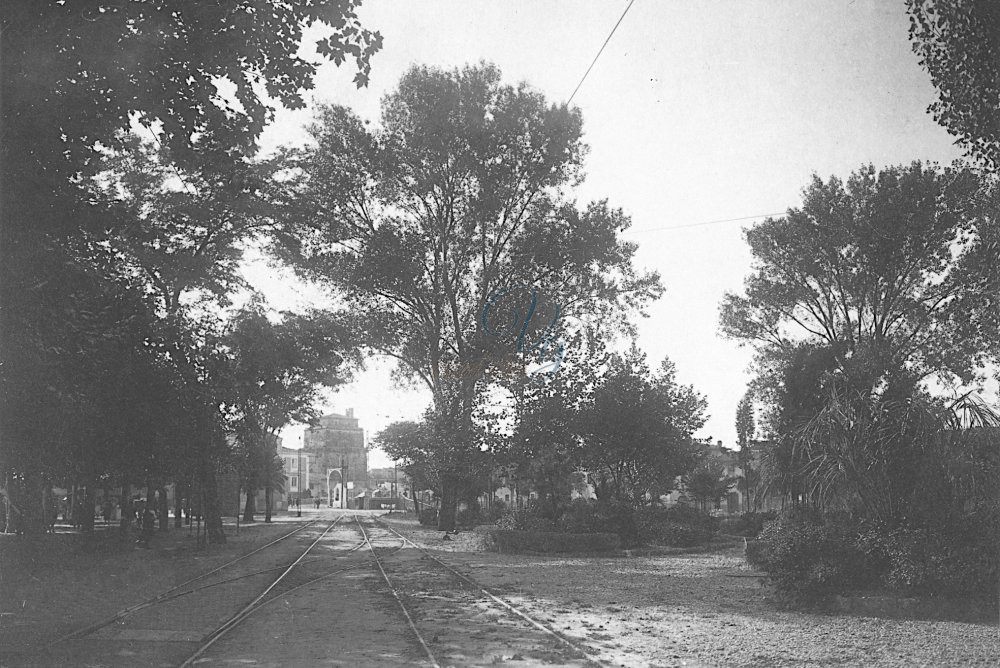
<point>876,268</point>
<point>74,80</point>
<point>745,431</point>
<point>707,484</point>
<point>275,374</point>
<point>857,298</point>
<point>423,223</point>
<point>412,443</point>
<point>548,423</point>
<point>958,43</point>
<point>638,431</point>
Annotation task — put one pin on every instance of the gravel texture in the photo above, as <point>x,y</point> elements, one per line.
<point>687,610</point>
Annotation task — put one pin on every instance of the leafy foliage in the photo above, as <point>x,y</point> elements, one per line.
<point>958,43</point>
<point>548,542</point>
<point>638,431</point>
<point>455,197</point>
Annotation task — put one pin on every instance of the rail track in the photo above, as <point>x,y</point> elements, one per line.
<point>174,616</point>
<point>178,589</point>
<point>454,618</point>
<point>434,609</point>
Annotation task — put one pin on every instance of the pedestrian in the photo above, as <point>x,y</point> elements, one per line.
<point>148,526</point>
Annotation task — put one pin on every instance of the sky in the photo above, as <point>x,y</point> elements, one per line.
<point>696,112</point>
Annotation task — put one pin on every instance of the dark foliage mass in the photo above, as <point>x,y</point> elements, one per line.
<point>958,43</point>
<point>863,300</point>
<point>115,375</point>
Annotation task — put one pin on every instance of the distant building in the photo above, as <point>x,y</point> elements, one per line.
<point>335,446</point>
<point>385,481</point>
<point>297,473</point>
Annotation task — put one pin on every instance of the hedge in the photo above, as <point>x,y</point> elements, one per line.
<point>553,542</point>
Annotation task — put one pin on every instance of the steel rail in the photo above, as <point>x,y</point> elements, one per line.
<point>235,620</point>
<point>395,594</point>
<point>496,599</point>
<point>167,594</point>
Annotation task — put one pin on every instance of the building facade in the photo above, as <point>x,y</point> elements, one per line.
<point>297,473</point>
<point>338,456</point>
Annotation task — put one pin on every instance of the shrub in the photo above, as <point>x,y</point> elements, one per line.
<point>748,525</point>
<point>468,517</point>
<point>809,558</point>
<point>553,542</point>
<point>428,516</point>
<point>953,560</point>
<point>525,519</point>
<point>496,511</point>
<point>683,513</point>
<point>677,526</point>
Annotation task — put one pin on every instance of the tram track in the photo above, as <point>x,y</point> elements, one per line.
<point>172,592</point>
<point>429,605</point>
<point>263,599</point>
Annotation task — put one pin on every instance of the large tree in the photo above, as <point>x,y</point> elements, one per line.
<point>275,373</point>
<point>638,430</point>
<point>76,76</point>
<point>877,267</point>
<point>858,298</point>
<point>958,43</point>
<point>458,195</point>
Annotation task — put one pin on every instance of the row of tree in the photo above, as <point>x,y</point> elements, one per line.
<point>604,419</point>
<point>126,360</point>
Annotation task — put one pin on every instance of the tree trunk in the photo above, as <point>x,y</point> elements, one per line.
<point>178,505</point>
<point>164,508</point>
<point>268,497</point>
<point>250,509</point>
<point>449,503</point>
<point>210,501</point>
<point>127,509</point>
<point>87,510</point>
<point>33,521</point>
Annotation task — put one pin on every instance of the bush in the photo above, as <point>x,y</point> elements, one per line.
<point>748,525</point>
<point>550,542</point>
<point>468,517</point>
<point>428,517</point>
<point>525,519</point>
<point>496,511</point>
<point>677,526</point>
<point>683,513</point>
<point>955,560</point>
<point>810,558</point>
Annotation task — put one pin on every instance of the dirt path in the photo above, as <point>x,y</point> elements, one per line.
<point>685,610</point>
<point>677,610</point>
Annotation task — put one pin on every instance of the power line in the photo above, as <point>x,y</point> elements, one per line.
<point>599,52</point>
<point>711,222</point>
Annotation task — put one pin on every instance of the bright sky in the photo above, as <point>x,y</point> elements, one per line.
<point>695,112</point>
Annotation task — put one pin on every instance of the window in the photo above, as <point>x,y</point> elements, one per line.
<point>295,483</point>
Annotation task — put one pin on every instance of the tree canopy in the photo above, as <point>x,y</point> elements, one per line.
<point>958,43</point>
<point>457,195</point>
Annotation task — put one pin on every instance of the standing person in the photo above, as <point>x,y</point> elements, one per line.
<point>148,526</point>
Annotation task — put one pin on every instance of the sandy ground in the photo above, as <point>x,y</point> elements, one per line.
<point>686,610</point>
<point>56,584</point>
<point>665,610</point>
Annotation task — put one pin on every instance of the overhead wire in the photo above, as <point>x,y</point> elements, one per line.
<point>780,214</point>
<point>599,52</point>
